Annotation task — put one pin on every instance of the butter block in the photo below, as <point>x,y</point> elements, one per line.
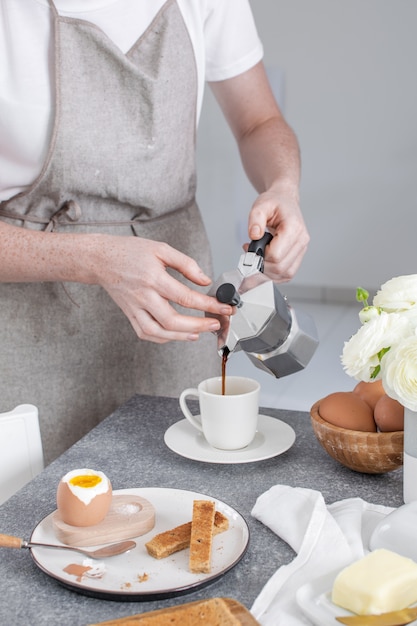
<point>380,582</point>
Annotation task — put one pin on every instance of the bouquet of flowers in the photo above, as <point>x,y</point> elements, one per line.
<point>385,346</point>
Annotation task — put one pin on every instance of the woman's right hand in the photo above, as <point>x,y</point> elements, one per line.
<point>134,273</point>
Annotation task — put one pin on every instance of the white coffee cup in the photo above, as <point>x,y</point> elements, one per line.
<point>228,421</point>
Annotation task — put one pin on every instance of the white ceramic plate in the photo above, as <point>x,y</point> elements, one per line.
<point>273,437</point>
<point>136,575</point>
<point>314,599</point>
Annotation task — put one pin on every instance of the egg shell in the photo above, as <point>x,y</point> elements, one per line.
<point>389,414</point>
<point>370,392</point>
<point>75,513</point>
<point>347,410</point>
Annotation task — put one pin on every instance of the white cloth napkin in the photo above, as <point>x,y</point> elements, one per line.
<point>325,538</point>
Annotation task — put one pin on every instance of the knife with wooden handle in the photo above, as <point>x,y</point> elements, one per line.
<point>393,618</point>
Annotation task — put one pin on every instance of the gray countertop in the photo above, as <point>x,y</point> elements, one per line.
<point>129,447</point>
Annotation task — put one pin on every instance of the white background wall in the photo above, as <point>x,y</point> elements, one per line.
<point>345,73</point>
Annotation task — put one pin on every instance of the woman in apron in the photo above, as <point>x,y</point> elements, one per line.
<point>108,239</point>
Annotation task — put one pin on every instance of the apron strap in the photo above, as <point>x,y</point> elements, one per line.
<point>53,7</point>
<point>70,214</point>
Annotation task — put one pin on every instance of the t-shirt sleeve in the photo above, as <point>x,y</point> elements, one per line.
<point>231,39</point>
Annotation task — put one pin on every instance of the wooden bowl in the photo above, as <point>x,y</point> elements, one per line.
<point>370,453</point>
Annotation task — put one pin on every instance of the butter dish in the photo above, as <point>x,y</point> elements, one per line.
<point>397,532</point>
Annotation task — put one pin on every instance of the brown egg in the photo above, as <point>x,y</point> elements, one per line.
<point>84,497</point>
<point>389,414</point>
<point>370,392</point>
<point>347,410</point>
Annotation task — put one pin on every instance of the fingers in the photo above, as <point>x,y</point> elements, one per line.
<point>148,294</point>
<point>285,253</point>
<point>281,215</point>
<point>257,224</point>
<point>265,213</point>
<point>160,322</point>
<point>281,272</point>
<point>170,289</point>
<point>185,265</point>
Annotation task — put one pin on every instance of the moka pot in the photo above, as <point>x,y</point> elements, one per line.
<point>273,335</point>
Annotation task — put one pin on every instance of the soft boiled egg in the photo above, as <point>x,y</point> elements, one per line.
<point>84,497</point>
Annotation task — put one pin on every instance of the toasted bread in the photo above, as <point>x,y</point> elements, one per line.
<point>210,612</point>
<point>201,536</point>
<point>178,538</point>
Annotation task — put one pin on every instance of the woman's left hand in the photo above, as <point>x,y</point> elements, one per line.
<point>270,155</point>
<point>278,211</point>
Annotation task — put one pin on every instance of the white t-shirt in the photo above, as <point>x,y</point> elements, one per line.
<point>222,32</point>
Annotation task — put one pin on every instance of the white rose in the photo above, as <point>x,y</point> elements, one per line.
<point>399,372</point>
<point>397,294</point>
<point>411,315</point>
<point>360,353</point>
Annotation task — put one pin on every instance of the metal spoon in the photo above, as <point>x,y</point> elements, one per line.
<point>8,541</point>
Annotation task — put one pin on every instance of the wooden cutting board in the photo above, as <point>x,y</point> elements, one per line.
<point>237,609</point>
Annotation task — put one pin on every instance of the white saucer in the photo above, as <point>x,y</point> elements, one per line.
<point>273,437</point>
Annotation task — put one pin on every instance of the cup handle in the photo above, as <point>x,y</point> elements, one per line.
<point>184,408</point>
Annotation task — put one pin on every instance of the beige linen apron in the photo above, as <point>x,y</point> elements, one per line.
<point>121,161</point>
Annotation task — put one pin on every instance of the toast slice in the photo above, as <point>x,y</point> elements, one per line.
<point>201,536</point>
<point>178,538</point>
<point>210,612</point>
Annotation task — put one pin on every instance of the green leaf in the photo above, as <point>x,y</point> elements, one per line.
<point>375,371</point>
<point>382,352</point>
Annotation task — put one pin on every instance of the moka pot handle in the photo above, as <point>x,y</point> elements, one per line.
<point>258,245</point>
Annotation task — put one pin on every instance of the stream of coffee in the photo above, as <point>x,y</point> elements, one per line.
<point>225,355</point>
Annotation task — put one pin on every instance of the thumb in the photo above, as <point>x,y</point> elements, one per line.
<point>256,224</point>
